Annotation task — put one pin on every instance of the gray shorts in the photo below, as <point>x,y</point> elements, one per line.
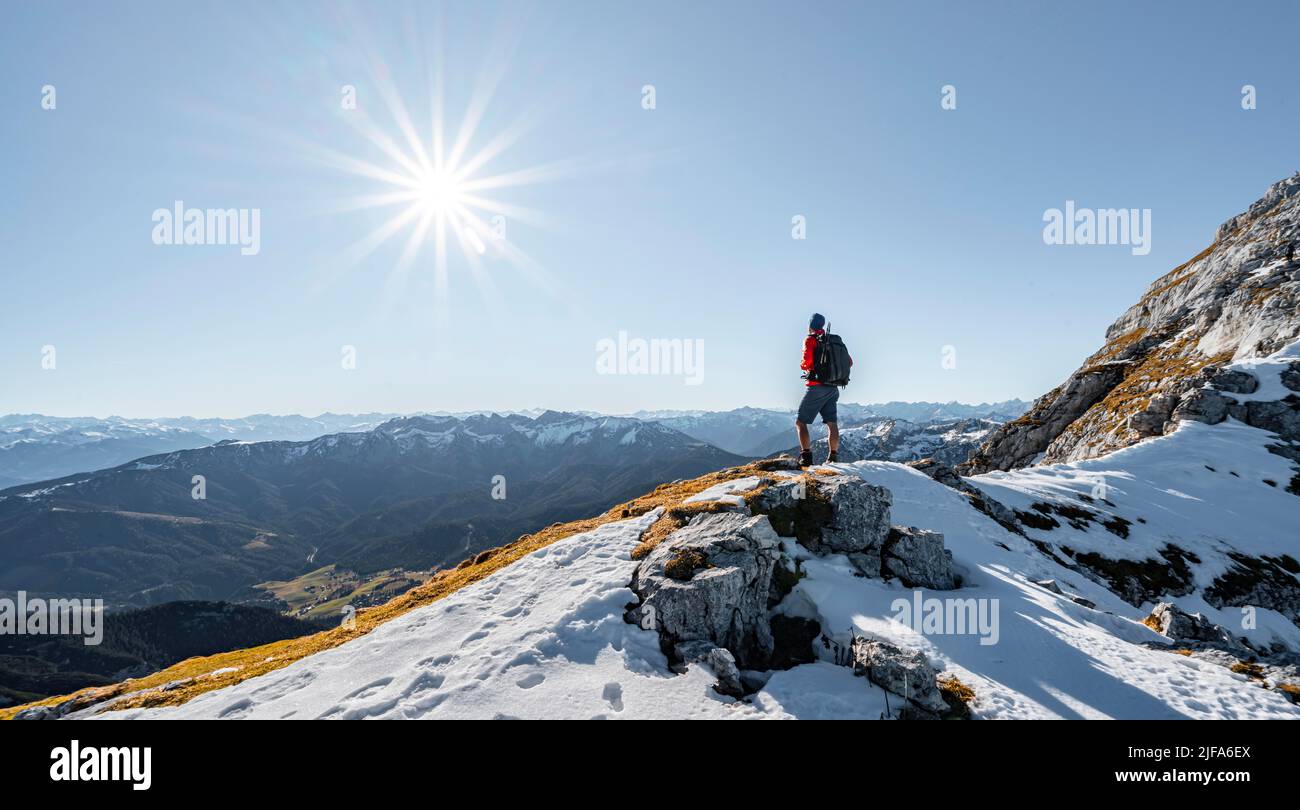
<point>819,399</point>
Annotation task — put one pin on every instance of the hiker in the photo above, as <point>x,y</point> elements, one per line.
<point>826,364</point>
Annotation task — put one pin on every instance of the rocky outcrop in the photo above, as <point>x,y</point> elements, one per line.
<point>917,558</point>
<point>717,659</point>
<point>828,514</point>
<point>723,598</point>
<point>1238,299</point>
<point>720,589</point>
<point>906,673</point>
<point>1173,622</point>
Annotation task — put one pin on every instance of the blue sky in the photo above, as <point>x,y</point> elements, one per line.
<point>924,225</point>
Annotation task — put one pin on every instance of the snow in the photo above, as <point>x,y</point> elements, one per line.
<point>727,491</point>
<point>546,637</point>
<point>1200,488</point>
<point>1268,371</point>
<point>1053,658</point>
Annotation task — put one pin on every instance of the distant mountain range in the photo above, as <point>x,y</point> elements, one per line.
<point>949,443</point>
<point>414,493</point>
<point>763,431</point>
<point>34,447</point>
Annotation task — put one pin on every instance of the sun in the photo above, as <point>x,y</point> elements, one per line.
<point>444,191</point>
<point>439,192</point>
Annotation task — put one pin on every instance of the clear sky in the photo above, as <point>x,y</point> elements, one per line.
<point>924,226</point>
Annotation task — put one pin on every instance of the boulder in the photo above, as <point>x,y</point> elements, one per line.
<point>1235,382</point>
<point>918,558</point>
<point>828,514</point>
<point>1050,584</point>
<point>1291,377</point>
<point>38,713</point>
<point>1173,622</point>
<point>1279,416</point>
<point>710,581</point>
<point>1205,405</point>
<point>906,673</point>
<point>720,661</point>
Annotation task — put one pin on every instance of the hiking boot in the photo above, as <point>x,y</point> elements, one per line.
<point>832,457</point>
<point>805,458</point>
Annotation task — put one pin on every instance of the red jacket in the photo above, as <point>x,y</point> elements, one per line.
<point>810,344</point>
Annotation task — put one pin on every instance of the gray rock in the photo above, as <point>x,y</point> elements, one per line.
<point>1178,624</point>
<point>720,661</point>
<point>906,673</point>
<point>918,558</point>
<point>1050,584</point>
<point>1148,423</point>
<point>1291,377</point>
<point>729,558</point>
<point>1205,405</point>
<point>1279,416</point>
<point>1235,382</point>
<point>38,713</point>
<point>837,513</point>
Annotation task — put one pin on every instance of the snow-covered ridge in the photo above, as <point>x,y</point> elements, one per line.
<point>548,636</point>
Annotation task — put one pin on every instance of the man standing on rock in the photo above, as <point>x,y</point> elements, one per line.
<point>825,369</point>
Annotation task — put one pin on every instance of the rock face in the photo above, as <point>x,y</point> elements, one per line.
<point>837,514</point>
<point>1238,299</point>
<point>720,589</point>
<point>918,559</point>
<point>906,673</point>
<point>721,661</point>
<point>1174,622</point>
<point>723,598</point>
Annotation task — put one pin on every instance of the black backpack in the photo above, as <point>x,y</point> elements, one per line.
<point>831,361</point>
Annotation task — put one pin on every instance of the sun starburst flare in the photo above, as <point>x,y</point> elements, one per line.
<point>440,191</point>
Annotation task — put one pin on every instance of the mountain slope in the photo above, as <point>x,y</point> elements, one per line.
<point>1238,299</point>
<point>547,636</point>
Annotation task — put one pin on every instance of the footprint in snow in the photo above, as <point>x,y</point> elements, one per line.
<point>613,695</point>
<point>529,681</point>
<point>369,689</point>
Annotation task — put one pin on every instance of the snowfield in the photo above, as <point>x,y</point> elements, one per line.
<point>546,636</point>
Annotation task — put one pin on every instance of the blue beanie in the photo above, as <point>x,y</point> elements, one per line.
<point>817,321</point>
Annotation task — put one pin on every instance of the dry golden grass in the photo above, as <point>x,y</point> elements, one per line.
<point>956,689</point>
<point>1153,623</point>
<point>1291,689</point>
<point>195,676</point>
<point>1249,669</point>
<point>1186,653</point>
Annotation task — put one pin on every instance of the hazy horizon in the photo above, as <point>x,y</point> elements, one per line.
<point>472,411</point>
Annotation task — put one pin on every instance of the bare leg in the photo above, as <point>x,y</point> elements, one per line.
<point>804,442</point>
<point>834,439</point>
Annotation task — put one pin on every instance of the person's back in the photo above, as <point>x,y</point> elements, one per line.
<point>820,395</point>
